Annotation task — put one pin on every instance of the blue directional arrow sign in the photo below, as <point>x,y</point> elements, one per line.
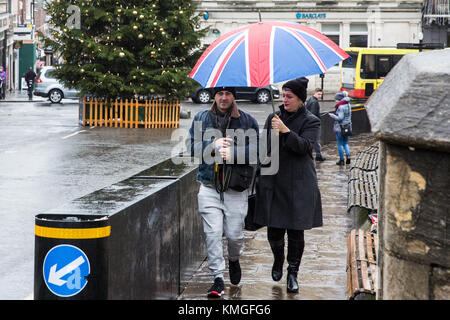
<point>65,270</point>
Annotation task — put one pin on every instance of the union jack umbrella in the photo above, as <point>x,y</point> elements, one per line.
<point>264,53</point>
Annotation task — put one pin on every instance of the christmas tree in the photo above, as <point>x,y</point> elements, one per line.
<point>117,48</point>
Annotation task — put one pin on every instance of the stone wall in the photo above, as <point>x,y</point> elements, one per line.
<point>157,240</point>
<point>409,114</point>
<point>414,223</point>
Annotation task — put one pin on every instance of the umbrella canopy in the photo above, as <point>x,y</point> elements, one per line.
<point>262,53</point>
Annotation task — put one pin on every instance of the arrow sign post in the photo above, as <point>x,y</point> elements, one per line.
<point>70,278</point>
<point>55,277</point>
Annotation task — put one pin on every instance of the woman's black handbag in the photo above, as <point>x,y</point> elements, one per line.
<point>250,225</point>
<point>346,130</point>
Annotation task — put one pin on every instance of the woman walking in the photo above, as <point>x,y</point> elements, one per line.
<point>342,116</point>
<point>289,201</point>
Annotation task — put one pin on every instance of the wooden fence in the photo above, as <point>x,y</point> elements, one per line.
<point>129,113</point>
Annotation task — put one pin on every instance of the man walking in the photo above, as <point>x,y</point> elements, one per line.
<point>29,78</point>
<point>223,196</point>
<point>312,104</point>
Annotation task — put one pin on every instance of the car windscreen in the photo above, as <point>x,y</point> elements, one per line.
<point>350,62</point>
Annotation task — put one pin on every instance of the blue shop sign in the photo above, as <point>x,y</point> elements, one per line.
<point>310,15</point>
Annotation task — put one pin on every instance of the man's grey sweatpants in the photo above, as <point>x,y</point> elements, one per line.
<point>220,218</point>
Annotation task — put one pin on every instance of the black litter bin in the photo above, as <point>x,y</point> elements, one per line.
<point>71,257</point>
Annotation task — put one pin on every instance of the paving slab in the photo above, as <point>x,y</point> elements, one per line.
<point>322,274</point>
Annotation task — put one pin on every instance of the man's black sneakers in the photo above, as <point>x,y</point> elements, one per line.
<point>235,271</point>
<point>216,290</point>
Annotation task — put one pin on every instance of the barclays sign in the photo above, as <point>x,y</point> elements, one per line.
<point>310,15</point>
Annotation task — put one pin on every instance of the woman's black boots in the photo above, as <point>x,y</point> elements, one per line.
<point>277,247</point>
<point>294,257</point>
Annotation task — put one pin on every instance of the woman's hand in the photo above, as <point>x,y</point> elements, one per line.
<point>277,124</point>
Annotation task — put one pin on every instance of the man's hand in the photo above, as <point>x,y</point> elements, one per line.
<point>225,153</point>
<point>222,143</point>
<point>223,146</point>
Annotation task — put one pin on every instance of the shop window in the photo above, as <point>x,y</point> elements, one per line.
<point>332,31</point>
<point>358,35</point>
<point>358,41</point>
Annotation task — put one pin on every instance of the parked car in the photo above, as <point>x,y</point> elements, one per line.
<point>260,95</point>
<point>46,85</point>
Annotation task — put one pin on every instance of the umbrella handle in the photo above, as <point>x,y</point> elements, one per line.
<point>273,107</point>
<point>271,99</point>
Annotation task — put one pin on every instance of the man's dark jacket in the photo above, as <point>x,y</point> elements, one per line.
<point>197,144</point>
<point>30,75</point>
<point>313,106</point>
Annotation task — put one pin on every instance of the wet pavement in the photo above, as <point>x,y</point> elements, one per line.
<point>322,274</point>
<point>47,160</point>
<point>22,96</point>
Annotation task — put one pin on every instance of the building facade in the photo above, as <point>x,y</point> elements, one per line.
<point>436,21</point>
<point>26,24</point>
<point>18,45</point>
<point>6,39</point>
<point>348,23</point>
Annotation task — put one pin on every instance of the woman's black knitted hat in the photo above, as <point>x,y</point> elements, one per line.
<point>298,87</point>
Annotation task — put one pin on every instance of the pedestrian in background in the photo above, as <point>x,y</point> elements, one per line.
<point>312,104</point>
<point>3,83</point>
<point>223,195</point>
<point>342,116</point>
<point>29,78</point>
<point>289,201</point>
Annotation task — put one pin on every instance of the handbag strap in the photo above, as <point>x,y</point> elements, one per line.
<point>254,180</point>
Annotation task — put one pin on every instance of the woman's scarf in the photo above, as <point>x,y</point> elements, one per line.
<point>340,103</point>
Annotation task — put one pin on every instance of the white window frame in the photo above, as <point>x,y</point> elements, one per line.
<point>333,33</point>
<point>359,33</point>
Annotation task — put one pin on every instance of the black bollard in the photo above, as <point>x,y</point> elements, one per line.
<point>71,257</point>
